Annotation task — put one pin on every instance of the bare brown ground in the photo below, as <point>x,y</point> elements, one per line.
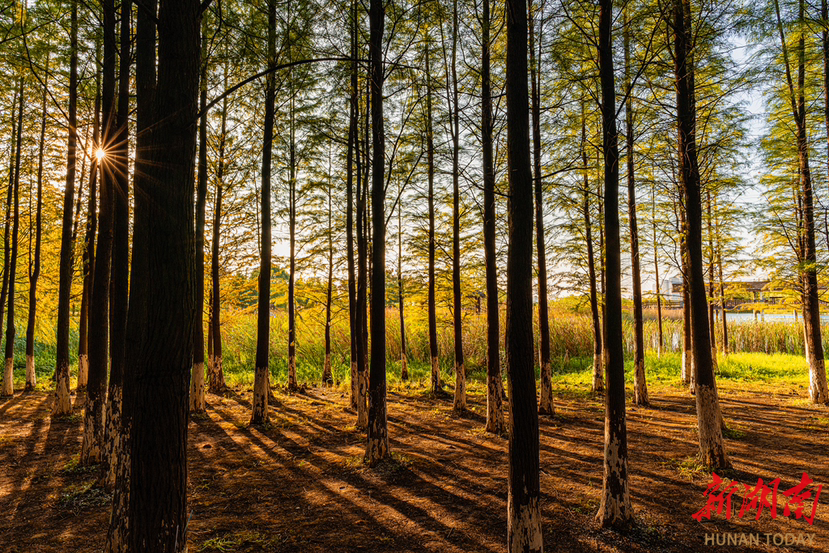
<point>299,485</point>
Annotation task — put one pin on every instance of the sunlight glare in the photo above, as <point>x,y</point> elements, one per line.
<point>100,154</point>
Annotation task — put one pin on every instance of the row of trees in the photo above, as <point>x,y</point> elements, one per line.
<point>178,91</point>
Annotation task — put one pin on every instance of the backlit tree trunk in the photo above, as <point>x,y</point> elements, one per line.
<point>197,399</point>
<point>545,406</point>
<point>8,375</point>
<point>712,322</point>
<point>263,307</point>
<point>615,509</point>
<point>640,386</point>
<point>404,362</point>
<point>377,446</point>
<point>495,386</point>
<point>349,217</point>
<point>62,404</point>
<point>430,160</point>
<point>709,417</point>
<point>327,377</point>
<point>216,376</point>
<point>292,381</point>
<point>598,334</point>
<point>163,294</point>
<point>660,344</point>
<point>34,258</point>
<point>459,404</point>
<point>524,533</point>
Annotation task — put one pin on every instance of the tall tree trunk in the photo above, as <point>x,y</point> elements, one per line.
<point>687,371</point>
<point>437,386</point>
<point>327,376</point>
<point>88,259</point>
<point>161,361</point>
<point>261,385</point>
<point>658,284</point>
<point>292,381</point>
<point>34,259</point>
<point>722,294</point>
<point>615,509</point>
<point>349,212</point>
<point>216,376</point>
<point>640,386</point>
<point>138,321</point>
<point>197,400</point>
<point>120,269</point>
<point>404,362</point>
<point>712,321</point>
<point>93,435</point>
<point>709,417</point>
<point>523,510</point>
<point>377,446</point>
<point>495,386</point>
<point>361,320</point>
<point>546,404</point>
<point>459,404</point>
<point>598,333</point>
<point>62,404</point>
<point>9,194</point>
<point>8,375</point>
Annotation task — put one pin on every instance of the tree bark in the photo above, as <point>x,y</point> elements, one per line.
<point>88,258</point>
<point>198,403</point>
<point>615,509</point>
<point>709,417</point>
<point>437,385</point>
<point>523,510</point>
<point>261,385</point>
<point>712,321</point>
<point>349,213</point>
<point>495,386</point>
<point>598,326</point>
<point>361,320</point>
<point>660,344</point>
<point>216,380</point>
<point>722,295</point>
<point>8,375</point>
<point>377,446</point>
<point>94,420</point>
<point>459,404</point>
<point>404,362</point>
<point>162,293</point>
<point>34,259</point>
<point>546,406</point>
<point>640,385</point>
<point>62,404</point>
<point>327,376</point>
<point>292,381</point>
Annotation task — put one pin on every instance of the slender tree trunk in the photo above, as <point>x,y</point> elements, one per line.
<point>722,295</point>
<point>62,404</point>
<point>292,381</point>
<point>615,509</point>
<point>93,436</point>
<point>7,226</point>
<point>546,406</point>
<point>523,510</point>
<point>349,213</point>
<point>495,387</point>
<point>8,375</point>
<point>263,309</point>
<point>361,321</point>
<point>34,260</point>
<point>404,362</point>
<point>712,322</point>
<point>327,377</point>
<point>198,403</point>
<point>598,333</point>
<point>687,371</point>
<point>459,404</point>
<point>120,269</point>
<point>88,259</point>
<point>640,386</point>
<point>660,345</point>
<point>377,446</point>
<point>437,386</point>
<point>712,450</point>
<point>602,269</point>
<point>216,380</point>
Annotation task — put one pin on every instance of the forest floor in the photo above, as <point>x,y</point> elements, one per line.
<point>300,484</point>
